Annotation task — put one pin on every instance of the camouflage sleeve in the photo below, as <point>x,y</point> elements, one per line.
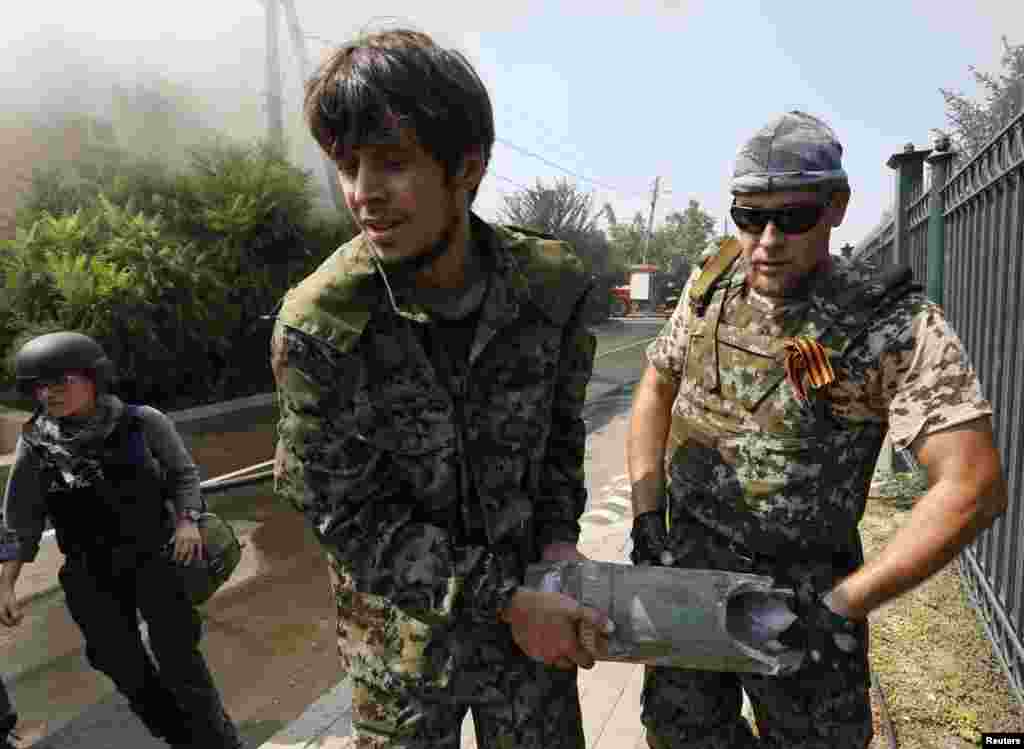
<point>927,377</point>
<point>563,493</point>
<point>667,353</point>
<point>493,576</point>
<point>325,471</point>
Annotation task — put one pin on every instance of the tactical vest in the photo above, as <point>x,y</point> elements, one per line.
<point>120,507</point>
<point>747,456</point>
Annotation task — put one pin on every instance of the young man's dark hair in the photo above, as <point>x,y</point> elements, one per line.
<point>387,80</point>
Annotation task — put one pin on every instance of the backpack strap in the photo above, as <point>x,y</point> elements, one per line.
<point>714,270</point>
<point>132,419</point>
<point>861,304</point>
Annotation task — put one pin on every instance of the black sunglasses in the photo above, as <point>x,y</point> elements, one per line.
<point>796,219</point>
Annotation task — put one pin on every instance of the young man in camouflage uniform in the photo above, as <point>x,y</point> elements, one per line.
<point>432,374</point>
<point>756,429</point>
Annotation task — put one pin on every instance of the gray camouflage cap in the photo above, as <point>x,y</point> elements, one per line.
<point>792,152</point>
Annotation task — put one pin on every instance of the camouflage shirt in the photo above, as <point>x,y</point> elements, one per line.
<point>430,493</point>
<point>751,459</point>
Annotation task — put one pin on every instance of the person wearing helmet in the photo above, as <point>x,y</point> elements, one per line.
<point>432,374</point>
<point>755,431</point>
<point>100,470</point>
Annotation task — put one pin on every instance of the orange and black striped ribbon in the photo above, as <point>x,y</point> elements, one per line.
<point>806,359</point>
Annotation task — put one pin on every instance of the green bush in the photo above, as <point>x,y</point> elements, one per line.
<point>170,272</point>
<point>146,296</point>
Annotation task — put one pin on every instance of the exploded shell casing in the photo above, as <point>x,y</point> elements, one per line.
<point>681,618</point>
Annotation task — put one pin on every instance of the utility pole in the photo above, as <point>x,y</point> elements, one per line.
<point>275,114</point>
<point>302,54</point>
<point>650,220</point>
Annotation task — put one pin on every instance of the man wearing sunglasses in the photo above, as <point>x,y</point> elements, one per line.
<point>754,435</point>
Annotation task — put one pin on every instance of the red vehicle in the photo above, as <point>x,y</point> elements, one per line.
<point>622,301</point>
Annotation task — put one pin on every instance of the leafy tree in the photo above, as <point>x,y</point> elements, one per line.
<point>118,278</point>
<point>679,241</point>
<point>630,241</point>
<point>554,210</point>
<point>691,231</point>
<point>68,182</point>
<point>159,119</point>
<point>566,213</point>
<point>974,124</point>
<point>170,270</point>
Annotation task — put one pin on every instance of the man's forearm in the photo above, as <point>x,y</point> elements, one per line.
<point>944,520</point>
<point>645,449</point>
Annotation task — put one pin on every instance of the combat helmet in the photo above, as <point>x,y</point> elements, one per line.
<point>50,355</point>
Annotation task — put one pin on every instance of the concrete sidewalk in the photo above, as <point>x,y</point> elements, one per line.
<point>609,693</point>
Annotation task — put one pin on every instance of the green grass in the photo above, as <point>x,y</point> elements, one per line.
<point>616,338</point>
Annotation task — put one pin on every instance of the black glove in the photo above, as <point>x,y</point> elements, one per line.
<point>827,636</point>
<point>650,537</point>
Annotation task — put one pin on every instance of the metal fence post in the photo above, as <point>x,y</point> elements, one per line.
<point>939,163</point>
<point>909,166</point>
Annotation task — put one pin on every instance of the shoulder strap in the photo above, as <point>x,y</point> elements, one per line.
<point>130,422</point>
<point>884,282</point>
<point>714,269</point>
<point>131,417</point>
<point>862,302</point>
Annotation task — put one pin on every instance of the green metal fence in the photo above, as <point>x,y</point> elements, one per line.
<point>964,235</point>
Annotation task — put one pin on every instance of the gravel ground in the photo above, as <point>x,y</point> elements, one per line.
<point>942,682</point>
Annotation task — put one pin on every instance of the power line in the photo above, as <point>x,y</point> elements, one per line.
<point>537,156</point>
<point>554,142</point>
<point>526,151</point>
<point>328,42</point>
<point>559,144</point>
<point>517,184</point>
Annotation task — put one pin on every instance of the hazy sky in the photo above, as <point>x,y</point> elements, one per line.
<point>618,93</point>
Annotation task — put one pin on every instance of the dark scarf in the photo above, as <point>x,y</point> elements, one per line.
<point>74,447</point>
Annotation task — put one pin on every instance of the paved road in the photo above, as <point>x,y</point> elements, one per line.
<point>269,635</point>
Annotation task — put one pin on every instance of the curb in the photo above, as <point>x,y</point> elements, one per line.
<point>331,715</point>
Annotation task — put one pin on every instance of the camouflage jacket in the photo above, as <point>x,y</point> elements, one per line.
<point>783,474</point>
<point>393,469</point>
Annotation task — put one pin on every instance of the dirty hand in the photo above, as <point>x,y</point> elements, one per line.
<point>546,626</point>
<point>188,544</point>
<point>650,537</point>
<point>10,609</point>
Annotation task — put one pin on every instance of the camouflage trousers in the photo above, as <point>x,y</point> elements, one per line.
<point>821,706</point>
<point>413,683</point>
